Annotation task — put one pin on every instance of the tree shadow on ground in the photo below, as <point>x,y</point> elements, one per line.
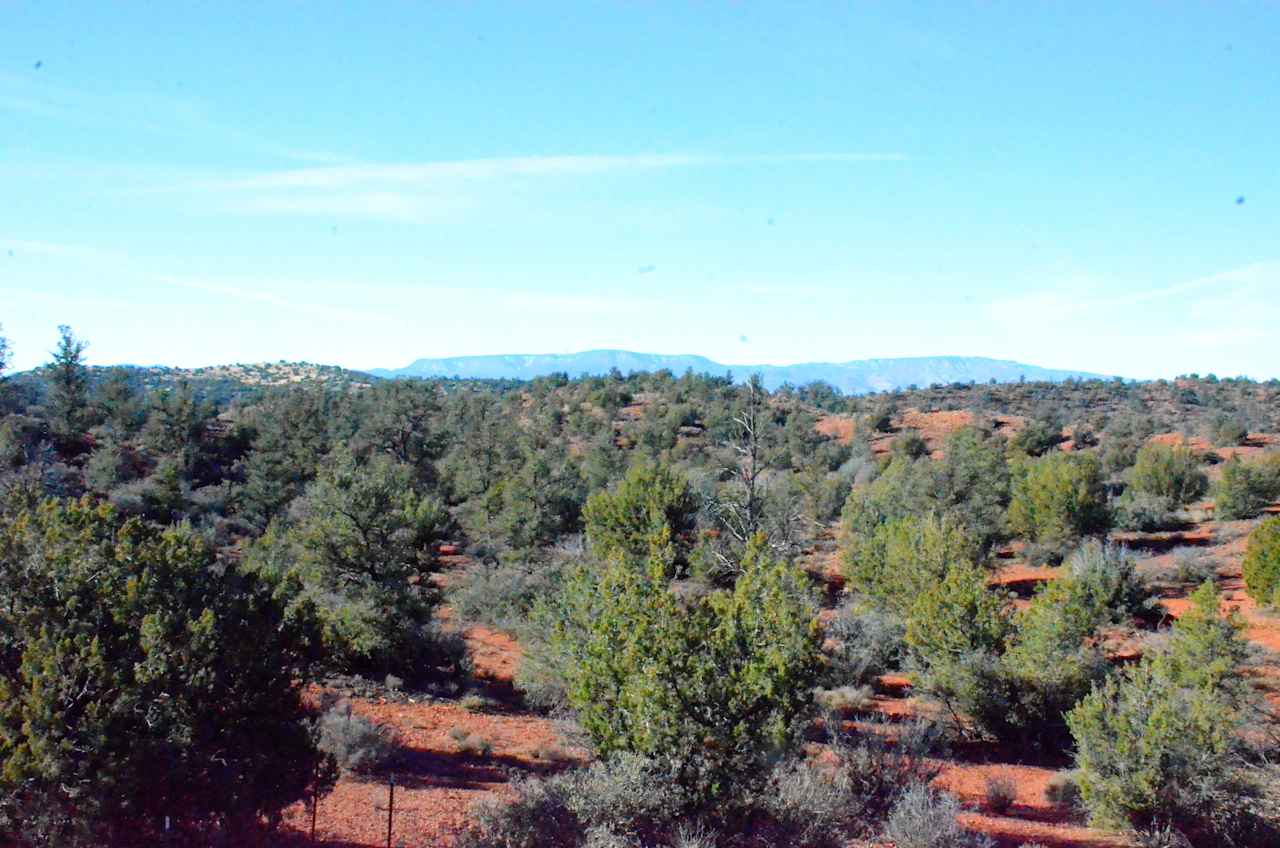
<point>417,768</point>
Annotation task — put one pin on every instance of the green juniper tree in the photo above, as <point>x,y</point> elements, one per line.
<point>901,559</point>
<point>707,687</point>
<point>1160,745</point>
<point>1262,562</point>
<point>119,403</point>
<point>1058,500</point>
<point>1169,472</point>
<point>360,546</point>
<point>141,679</point>
<point>291,439</point>
<point>176,425</point>
<point>650,499</point>
<point>68,379</point>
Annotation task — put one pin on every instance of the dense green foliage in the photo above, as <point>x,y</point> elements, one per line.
<point>68,389</point>
<point>1262,562</point>
<point>1159,744</point>
<point>1053,660</point>
<point>1245,488</point>
<point>359,544</point>
<point>137,681</point>
<point>651,501</point>
<point>1037,438</point>
<point>899,560</point>
<point>1058,500</point>
<point>707,686</point>
<point>1013,676</point>
<point>973,484</point>
<point>1169,472</point>
<point>957,632</point>
<point>903,488</point>
<point>970,485</point>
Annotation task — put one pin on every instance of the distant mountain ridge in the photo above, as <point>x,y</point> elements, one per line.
<point>855,377</point>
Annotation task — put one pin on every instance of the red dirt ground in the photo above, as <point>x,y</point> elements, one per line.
<point>436,781</point>
<point>1020,576</point>
<point>1255,444</point>
<point>838,427</point>
<point>1029,819</point>
<point>933,427</point>
<point>495,656</point>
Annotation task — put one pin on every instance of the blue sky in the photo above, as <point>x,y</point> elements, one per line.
<point>365,184</point>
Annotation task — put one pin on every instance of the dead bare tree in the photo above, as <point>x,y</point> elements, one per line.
<point>741,509</point>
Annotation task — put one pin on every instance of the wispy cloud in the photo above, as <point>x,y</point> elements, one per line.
<point>425,173</point>
<point>61,250</point>
<point>1249,276</point>
<point>389,205</point>
<point>421,190</point>
<point>543,303</point>
<point>422,173</point>
<point>261,293</point>
<point>1071,300</point>
<point>147,112</point>
<point>1220,322</point>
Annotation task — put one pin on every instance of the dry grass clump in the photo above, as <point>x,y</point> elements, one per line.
<point>846,699</point>
<point>470,743</point>
<point>1062,790</point>
<point>926,818</point>
<point>1001,793</point>
<point>357,744</point>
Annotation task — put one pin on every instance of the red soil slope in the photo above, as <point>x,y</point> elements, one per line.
<point>933,427</point>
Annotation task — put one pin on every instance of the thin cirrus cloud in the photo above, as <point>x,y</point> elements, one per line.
<point>1156,331</point>
<point>340,298</point>
<point>572,304</point>
<point>258,292</point>
<point>16,248</point>
<point>419,190</point>
<point>151,113</point>
<point>1076,300</point>
<point>419,173</point>
<point>389,205</point>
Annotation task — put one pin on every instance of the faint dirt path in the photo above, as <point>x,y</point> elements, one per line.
<point>442,769</point>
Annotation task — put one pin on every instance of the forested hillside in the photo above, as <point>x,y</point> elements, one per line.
<point>219,384</point>
<point>718,586</point>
